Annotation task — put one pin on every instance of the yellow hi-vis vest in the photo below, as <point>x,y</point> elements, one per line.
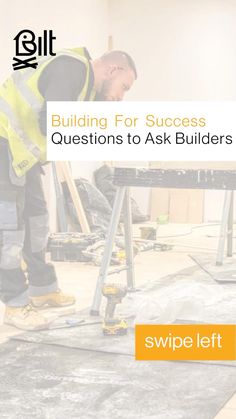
<point>20,104</point>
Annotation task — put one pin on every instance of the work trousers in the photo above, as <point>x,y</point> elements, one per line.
<point>23,234</point>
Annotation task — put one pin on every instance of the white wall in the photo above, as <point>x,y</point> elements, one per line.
<point>184,50</point>
<point>85,169</point>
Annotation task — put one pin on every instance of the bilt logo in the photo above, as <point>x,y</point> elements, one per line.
<point>28,48</point>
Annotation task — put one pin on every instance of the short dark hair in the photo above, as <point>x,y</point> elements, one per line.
<point>120,58</point>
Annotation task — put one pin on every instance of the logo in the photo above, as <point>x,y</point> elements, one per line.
<point>28,48</point>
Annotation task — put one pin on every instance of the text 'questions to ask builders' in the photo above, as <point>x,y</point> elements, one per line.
<point>85,131</point>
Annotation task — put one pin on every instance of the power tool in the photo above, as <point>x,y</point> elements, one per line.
<point>113,325</point>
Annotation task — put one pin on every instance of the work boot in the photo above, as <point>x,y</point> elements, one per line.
<point>25,318</point>
<point>53,299</point>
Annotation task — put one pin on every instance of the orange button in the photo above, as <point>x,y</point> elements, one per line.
<point>185,342</point>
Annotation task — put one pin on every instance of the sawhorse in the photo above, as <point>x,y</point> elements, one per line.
<point>122,199</point>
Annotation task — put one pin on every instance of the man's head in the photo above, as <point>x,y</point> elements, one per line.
<point>114,74</point>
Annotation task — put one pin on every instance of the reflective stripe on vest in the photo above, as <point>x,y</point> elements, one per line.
<point>11,117</point>
<point>20,83</point>
<point>20,104</point>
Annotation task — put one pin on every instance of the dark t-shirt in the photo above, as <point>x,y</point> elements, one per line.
<point>62,79</point>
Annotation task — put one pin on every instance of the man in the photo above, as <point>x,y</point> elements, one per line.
<point>71,75</point>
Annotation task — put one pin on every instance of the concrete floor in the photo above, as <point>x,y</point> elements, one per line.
<point>80,279</point>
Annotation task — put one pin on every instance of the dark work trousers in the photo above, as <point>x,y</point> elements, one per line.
<point>23,234</point>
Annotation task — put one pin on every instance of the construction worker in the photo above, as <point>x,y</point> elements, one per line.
<point>70,75</point>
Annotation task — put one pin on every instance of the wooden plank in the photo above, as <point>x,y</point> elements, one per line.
<point>186,206</point>
<point>182,205</point>
<point>178,210</point>
<point>159,203</point>
<point>196,206</point>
